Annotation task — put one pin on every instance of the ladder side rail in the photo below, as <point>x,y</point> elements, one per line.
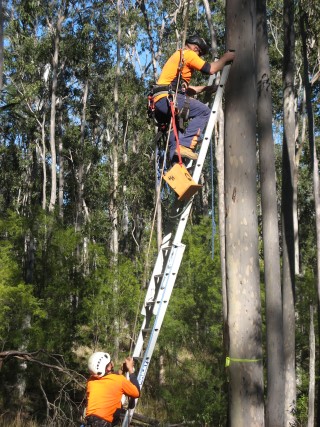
<point>168,286</point>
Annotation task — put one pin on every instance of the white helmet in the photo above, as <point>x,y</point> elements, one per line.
<point>98,362</point>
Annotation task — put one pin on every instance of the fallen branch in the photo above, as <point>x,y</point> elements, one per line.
<point>34,357</point>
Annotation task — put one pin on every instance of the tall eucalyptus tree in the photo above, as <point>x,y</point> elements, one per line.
<point>288,200</point>
<point>242,256</point>
<point>271,253</point>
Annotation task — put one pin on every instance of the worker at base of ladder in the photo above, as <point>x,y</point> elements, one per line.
<point>105,389</point>
<point>178,70</point>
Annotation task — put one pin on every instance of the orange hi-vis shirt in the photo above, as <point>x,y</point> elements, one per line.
<point>104,395</point>
<point>191,61</point>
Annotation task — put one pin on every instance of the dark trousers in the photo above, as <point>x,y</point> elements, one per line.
<point>199,113</point>
<point>94,421</point>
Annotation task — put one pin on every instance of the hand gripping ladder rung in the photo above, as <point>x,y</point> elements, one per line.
<point>169,266</point>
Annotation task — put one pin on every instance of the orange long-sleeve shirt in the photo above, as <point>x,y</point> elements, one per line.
<point>191,62</point>
<point>104,394</point>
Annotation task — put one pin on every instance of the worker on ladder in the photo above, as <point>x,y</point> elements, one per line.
<point>174,79</point>
<point>105,389</point>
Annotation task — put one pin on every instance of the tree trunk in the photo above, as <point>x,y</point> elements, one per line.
<point>43,163</point>
<point>315,169</point>
<point>154,61</point>
<point>55,62</point>
<point>158,206</point>
<point>312,380</point>
<point>1,45</point>
<point>81,167</point>
<point>61,170</point>
<point>219,154</point>
<point>288,174</point>
<point>242,260</point>
<point>115,234</point>
<point>313,149</point>
<point>213,37</point>
<point>272,274</point>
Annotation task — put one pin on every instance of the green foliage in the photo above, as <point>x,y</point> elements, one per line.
<point>19,306</point>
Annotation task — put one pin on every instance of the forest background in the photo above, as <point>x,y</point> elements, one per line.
<point>78,173</point>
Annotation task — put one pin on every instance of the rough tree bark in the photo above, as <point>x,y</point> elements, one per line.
<point>272,273</point>
<point>242,261</point>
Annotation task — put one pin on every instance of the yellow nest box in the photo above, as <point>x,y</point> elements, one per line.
<point>181,182</point>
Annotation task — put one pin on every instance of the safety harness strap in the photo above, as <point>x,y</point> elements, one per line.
<point>175,130</point>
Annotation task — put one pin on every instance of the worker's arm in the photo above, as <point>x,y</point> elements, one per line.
<point>218,65</point>
<point>132,387</point>
<point>193,90</point>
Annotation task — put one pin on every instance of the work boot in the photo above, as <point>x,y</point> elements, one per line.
<point>187,152</point>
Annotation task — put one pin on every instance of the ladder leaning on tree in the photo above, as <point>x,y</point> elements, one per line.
<point>168,261</point>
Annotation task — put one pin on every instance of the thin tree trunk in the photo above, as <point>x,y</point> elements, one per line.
<point>61,170</point>
<point>288,176</point>
<point>242,261</point>
<point>115,234</point>
<point>43,162</point>
<point>158,198</point>
<point>81,167</point>
<point>314,165</point>
<point>213,37</point>
<point>1,45</point>
<point>142,6</point>
<point>312,379</point>
<point>55,64</point>
<point>272,273</point>
<point>312,145</point>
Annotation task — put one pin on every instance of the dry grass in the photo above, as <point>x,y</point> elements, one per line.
<point>18,421</point>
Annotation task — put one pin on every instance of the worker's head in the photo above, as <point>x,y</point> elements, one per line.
<point>99,363</point>
<point>198,41</point>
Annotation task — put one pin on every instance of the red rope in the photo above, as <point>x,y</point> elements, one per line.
<point>175,130</point>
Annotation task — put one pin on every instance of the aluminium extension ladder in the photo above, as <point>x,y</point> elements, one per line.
<point>168,262</point>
